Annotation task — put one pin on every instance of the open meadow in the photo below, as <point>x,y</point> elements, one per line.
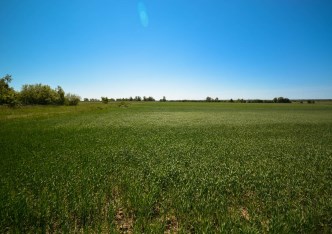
<point>153,167</point>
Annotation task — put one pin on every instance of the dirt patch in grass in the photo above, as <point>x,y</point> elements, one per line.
<point>172,225</point>
<point>245,213</point>
<point>124,221</point>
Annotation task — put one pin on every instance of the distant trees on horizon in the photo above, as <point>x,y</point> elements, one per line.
<point>275,100</point>
<point>281,100</point>
<point>208,99</point>
<point>130,99</point>
<point>39,94</point>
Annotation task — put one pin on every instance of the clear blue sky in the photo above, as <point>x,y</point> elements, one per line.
<point>174,48</point>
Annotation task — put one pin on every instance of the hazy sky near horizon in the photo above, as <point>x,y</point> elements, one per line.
<point>181,49</point>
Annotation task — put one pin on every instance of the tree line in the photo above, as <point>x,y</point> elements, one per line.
<point>130,99</point>
<point>275,100</point>
<point>36,94</point>
<point>208,99</point>
<point>39,94</point>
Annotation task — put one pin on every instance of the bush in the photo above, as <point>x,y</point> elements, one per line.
<point>122,104</point>
<point>42,95</point>
<point>36,94</point>
<point>72,99</point>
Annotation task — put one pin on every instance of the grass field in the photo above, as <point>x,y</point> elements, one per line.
<point>167,167</point>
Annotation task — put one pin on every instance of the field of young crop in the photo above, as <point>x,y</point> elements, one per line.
<point>166,168</point>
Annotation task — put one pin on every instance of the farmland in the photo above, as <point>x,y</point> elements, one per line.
<point>166,167</point>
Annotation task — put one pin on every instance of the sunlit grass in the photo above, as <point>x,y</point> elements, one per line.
<point>166,167</point>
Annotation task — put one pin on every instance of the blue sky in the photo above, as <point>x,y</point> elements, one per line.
<point>181,49</point>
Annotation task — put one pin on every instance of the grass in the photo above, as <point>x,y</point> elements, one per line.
<point>167,167</point>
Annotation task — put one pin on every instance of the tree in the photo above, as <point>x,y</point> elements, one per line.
<point>148,99</point>
<point>7,94</point>
<point>104,100</point>
<point>281,100</point>
<point>208,99</point>
<point>61,94</point>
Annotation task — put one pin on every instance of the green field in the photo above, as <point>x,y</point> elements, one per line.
<point>166,167</point>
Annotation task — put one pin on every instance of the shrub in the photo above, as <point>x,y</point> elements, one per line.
<point>122,104</point>
<point>72,99</point>
<point>42,95</point>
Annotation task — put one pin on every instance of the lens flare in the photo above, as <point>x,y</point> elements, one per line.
<point>143,15</point>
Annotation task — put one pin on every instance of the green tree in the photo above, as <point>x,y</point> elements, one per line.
<point>281,100</point>
<point>104,100</point>
<point>7,93</point>
<point>61,93</point>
